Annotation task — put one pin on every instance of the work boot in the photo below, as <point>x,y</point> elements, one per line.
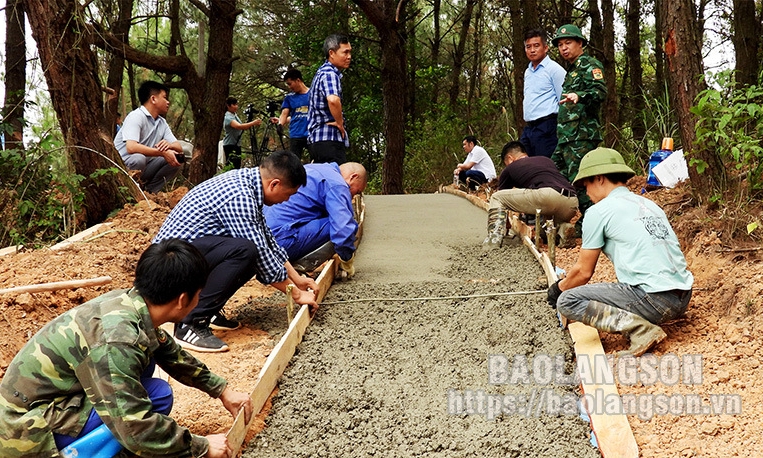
<point>496,228</point>
<point>313,259</point>
<point>642,333</point>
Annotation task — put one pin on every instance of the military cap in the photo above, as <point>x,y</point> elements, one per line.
<point>568,31</point>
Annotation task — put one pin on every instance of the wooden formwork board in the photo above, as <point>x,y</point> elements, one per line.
<point>613,432</point>
<point>282,353</point>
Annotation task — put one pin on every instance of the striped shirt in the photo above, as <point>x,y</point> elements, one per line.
<point>327,81</point>
<point>229,205</point>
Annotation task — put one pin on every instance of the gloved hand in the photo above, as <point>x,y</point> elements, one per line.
<point>553,294</point>
<point>348,266</point>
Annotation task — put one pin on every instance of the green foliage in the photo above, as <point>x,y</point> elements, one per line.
<point>730,121</point>
<point>39,199</point>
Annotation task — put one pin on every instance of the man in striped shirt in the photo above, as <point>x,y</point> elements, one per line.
<point>222,217</point>
<point>327,137</point>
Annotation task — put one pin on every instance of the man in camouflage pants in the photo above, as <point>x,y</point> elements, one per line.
<point>92,366</point>
<point>578,127</point>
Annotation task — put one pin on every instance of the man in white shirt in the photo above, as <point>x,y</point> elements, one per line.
<point>145,141</point>
<point>478,167</point>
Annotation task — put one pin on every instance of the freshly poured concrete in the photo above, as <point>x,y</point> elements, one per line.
<point>392,378</point>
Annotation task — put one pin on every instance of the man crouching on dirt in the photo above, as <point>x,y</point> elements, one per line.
<point>84,381</point>
<point>654,285</point>
<point>222,217</point>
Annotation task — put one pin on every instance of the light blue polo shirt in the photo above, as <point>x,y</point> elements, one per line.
<point>140,126</point>
<point>637,237</point>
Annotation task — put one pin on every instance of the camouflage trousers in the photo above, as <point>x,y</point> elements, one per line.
<point>567,158</point>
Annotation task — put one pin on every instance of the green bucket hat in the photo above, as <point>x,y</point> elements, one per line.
<point>568,31</point>
<point>601,161</point>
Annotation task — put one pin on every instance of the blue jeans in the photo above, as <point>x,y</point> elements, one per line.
<point>158,391</point>
<point>301,240</point>
<point>539,137</point>
<point>655,307</point>
<point>474,176</point>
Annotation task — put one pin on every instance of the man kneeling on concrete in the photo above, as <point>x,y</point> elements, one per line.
<point>526,184</point>
<point>83,384</point>
<point>318,220</point>
<point>653,284</point>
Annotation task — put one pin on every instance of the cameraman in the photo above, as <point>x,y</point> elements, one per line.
<point>233,129</point>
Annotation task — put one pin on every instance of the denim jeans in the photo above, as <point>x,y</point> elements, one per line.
<point>655,307</point>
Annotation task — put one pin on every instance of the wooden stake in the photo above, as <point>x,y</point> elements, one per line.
<point>289,304</point>
<point>54,286</point>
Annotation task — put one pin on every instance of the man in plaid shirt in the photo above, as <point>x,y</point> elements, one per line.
<point>222,217</point>
<point>327,137</point>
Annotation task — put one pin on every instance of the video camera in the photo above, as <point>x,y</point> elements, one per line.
<point>272,106</point>
<point>250,112</point>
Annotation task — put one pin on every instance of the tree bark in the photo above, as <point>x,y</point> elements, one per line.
<point>458,54</point>
<point>121,30</point>
<point>634,72</point>
<point>519,23</point>
<point>685,69</point>
<point>71,73</point>
<point>15,73</point>
<point>388,18</point>
<point>747,41</point>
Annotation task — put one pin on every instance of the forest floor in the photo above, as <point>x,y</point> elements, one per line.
<point>722,324</point>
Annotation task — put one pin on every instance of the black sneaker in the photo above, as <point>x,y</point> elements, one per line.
<point>218,321</point>
<point>199,338</point>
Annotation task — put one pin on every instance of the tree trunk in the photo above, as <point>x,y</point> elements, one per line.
<point>659,52</point>
<point>685,68</point>
<point>458,54</point>
<point>15,73</point>
<point>519,22</point>
<point>747,41</point>
<point>121,30</point>
<point>70,68</point>
<point>207,93</point>
<point>611,110</point>
<point>634,72</point>
<point>388,21</point>
<point>436,42</point>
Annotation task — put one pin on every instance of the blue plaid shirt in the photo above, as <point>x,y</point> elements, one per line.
<point>229,205</point>
<point>327,81</point>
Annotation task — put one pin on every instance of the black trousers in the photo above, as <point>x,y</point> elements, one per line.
<point>232,264</point>
<point>328,152</point>
<point>232,155</point>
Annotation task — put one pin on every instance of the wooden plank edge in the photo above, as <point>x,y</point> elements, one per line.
<point>279,359</point>
<point>613,432</point>
<point>81,235</point>
<point>269,375</point>
<point>57,285</point>
<point>449,189</point>
<point>10,249</point>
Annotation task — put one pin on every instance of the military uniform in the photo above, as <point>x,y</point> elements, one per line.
<point>92,357</point>
<point>578,127</point>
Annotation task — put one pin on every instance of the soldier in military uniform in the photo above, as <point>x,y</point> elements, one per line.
<point>93,364</point>
<point>583,92</point>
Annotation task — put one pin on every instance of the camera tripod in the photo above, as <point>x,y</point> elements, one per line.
<point>263,148</point>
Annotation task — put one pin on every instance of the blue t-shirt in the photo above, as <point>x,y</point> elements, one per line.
<point>297,105</point>
<point>637,237</point>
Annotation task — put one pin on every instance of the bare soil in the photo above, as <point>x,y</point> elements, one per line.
<point>722,324</point>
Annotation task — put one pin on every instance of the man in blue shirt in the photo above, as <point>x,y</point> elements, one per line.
<point>222,217</point>
<point>320,212</point>
<point>327,137</point>
<point>653,283</point>
<point>294,111</point>
<point>543,90</point>
<point>145,141</point>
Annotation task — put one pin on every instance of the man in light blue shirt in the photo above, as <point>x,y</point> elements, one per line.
<point>543,90</point>
<point>146,142</point>
<point>653,283</point>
